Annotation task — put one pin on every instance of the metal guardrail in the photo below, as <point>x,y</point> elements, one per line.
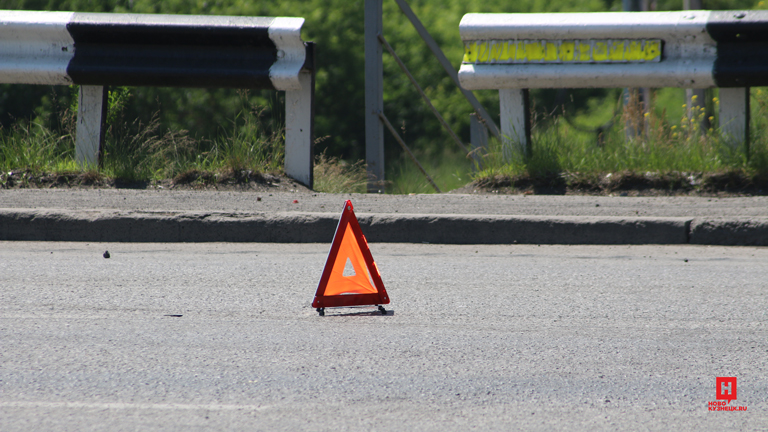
<point>687,49</point>
<point>96,50</point>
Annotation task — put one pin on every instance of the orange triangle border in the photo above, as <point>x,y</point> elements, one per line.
<point>322,301</point>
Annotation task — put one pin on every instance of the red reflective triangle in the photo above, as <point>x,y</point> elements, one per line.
<point>364,286</point>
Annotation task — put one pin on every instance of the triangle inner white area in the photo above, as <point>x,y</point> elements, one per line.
<point>349,269</point>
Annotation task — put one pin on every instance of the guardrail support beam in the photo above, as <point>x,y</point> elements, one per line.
<point>515,121</point>
<point>299,130</point>
<point>443,60</point>
<point>734,115</point>
<point>91,125</point>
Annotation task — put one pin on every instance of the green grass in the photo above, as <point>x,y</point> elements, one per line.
<point>448,170</point>
<point>337,176</point>
<point>32,146</point>
<point>134,151</point>
<point>250,143</point>
<point>561,151</point>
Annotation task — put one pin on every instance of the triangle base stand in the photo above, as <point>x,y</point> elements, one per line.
<point>321,311</point>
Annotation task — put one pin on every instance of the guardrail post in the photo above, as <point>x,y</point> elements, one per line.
<point>515,121</point>
<point>299,130</point>
<point>91,125</point>
<point>734,115</point>
<point>374,95</point>
<point>478,137</point>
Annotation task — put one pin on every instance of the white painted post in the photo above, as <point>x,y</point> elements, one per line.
<point>478,137</point>
<point>91,119</point>
<point>299,106</point>
<point>734,115</point>
<point>515,121</point>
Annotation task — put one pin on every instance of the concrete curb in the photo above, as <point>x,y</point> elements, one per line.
<point>476,229</point>
<point>729,231</point>
<point>296,227</point>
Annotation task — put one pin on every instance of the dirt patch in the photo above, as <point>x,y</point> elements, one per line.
<point>626,183</point>
<point>242,180</point>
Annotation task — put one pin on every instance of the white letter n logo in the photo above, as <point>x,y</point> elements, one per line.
<point>725,388</point>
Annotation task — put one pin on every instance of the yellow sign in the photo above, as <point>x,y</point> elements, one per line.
<point>563,51</point>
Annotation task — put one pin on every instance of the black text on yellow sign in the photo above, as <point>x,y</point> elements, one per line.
<point>563,51</point>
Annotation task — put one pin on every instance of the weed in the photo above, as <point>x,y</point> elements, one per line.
<point>337,176</point>
<point>634,150</point>
<point>644,151</point>
<point>449,170</point>
<point>32,146</point>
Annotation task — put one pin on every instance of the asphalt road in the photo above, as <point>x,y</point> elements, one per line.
<point>477,338</point>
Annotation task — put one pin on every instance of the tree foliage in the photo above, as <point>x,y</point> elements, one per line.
<point>337,28</point>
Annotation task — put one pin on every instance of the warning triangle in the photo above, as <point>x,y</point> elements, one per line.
<point>350,276</point>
